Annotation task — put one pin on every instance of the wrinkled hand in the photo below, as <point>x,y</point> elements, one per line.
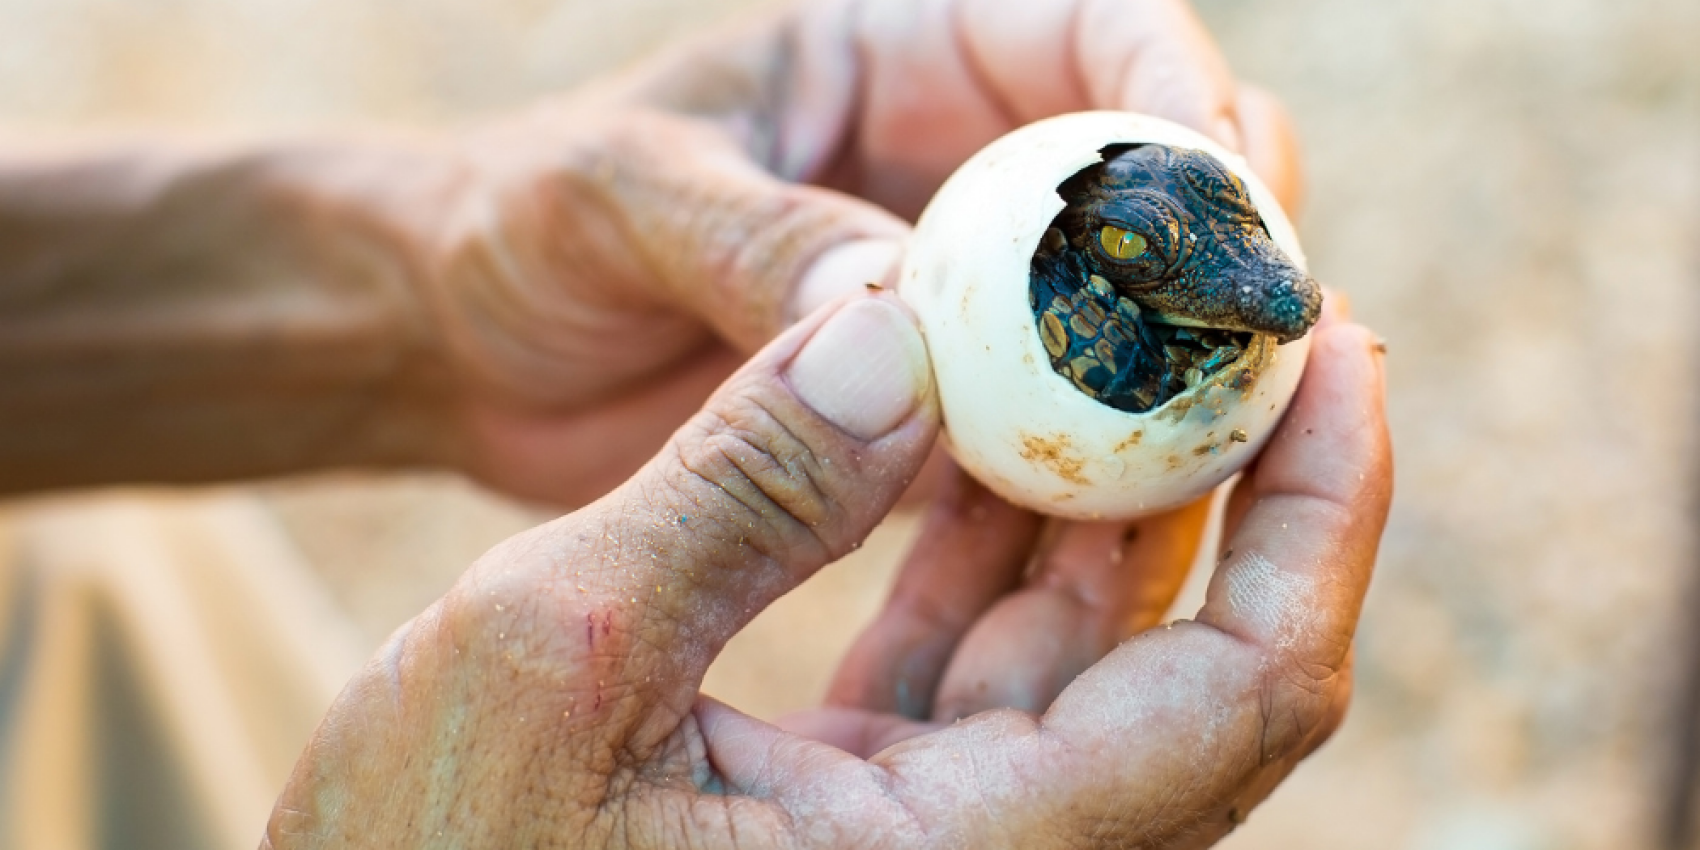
<point>551,698</point>
<point>611,257</point>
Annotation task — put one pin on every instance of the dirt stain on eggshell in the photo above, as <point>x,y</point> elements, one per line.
<point>1054,454</point>
<point>1132,440</point>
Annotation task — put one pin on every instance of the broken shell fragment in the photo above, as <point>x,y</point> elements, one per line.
<point>1025,377</point>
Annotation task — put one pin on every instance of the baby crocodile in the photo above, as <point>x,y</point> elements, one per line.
<point>1157,273</point>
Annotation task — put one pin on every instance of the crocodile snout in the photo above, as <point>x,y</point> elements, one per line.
<point>1290,306</point>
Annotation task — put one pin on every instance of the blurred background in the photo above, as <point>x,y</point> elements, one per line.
<point>1509,190</point>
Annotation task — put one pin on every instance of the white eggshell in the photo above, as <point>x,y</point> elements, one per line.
<point>1013,422</point>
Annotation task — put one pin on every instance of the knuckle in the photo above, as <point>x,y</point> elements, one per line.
<point>1303,702</point>
<point>757,478</point>
<point>736,236</point>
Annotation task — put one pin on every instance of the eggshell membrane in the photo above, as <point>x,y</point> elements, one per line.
<point>1015,424</point>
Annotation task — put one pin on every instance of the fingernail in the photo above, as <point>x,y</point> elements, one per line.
<point>841,270</point>
<point>865,370</point>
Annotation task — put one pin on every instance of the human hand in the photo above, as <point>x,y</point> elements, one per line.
<point>550,699</point>
<point>998,607</point>
<point>610,257</point>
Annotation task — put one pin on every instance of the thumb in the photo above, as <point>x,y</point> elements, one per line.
<point>563,665</point>
<point>722,237</point>
<point>788,467</point>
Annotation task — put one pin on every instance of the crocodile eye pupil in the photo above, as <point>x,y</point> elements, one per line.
<point>1121,244</point>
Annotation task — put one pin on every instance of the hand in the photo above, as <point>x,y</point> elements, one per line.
<point>551,698</point>
<point>611,257</point>
<point>997,608</point>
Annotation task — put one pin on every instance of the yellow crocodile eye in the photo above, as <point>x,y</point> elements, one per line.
<point>1121,244</point>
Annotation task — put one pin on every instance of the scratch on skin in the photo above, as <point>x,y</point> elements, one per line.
<point>590,627</point>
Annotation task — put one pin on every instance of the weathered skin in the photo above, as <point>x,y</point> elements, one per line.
<point>1203,260</point>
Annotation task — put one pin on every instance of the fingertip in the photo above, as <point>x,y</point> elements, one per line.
<point>1351,354</point>
<point>842,270</point>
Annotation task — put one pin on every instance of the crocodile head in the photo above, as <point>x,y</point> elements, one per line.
<point>1176,232</point>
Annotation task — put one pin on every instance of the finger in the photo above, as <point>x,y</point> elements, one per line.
<point>971,551</point>
<point>1178,723</point>
<point>748,252</point>
<point>957,74</point>
<point>788,467</point>
<point>1156,57</point>
<point>1327,473</point>
<point>1095,584</point>
<point>922,105</point>
<point>671,214</point>
<point>1271,146</point>
<point>1263,671</point>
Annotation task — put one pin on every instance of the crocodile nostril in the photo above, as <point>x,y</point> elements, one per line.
<point>1293,306</point>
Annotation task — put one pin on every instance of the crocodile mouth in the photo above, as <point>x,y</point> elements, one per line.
<point>1192,354</point>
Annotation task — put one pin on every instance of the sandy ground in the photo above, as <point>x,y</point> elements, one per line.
<point>1510,192</point>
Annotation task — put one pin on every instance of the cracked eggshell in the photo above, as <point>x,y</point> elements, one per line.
<point>1010,420</point>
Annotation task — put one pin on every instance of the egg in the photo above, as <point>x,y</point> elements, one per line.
<point>1012,420</point>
